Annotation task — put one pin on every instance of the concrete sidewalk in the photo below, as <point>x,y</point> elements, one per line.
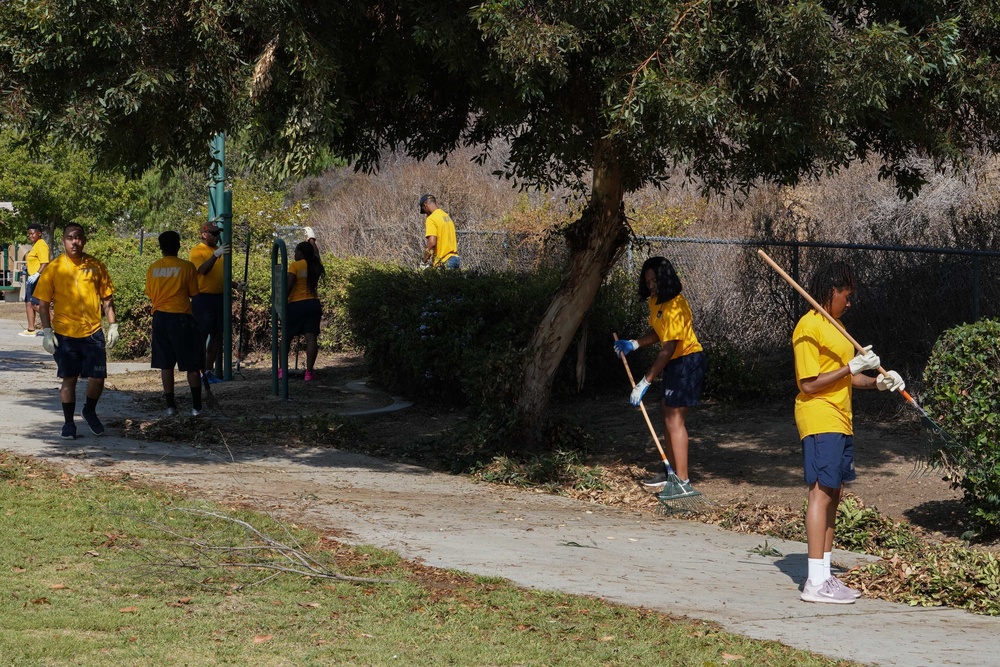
<point>678,567</point>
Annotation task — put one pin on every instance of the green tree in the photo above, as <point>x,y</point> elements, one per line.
<point>606,96</point>
<point>53,184</point>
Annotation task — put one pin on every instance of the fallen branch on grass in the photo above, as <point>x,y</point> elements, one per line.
<point>261,553</point>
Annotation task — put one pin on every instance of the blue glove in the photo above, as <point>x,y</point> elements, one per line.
<point>626,346</point>
<point>638,391</point>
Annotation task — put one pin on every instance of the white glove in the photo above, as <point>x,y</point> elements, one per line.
<point>638,391</point>
<point>222,250</point>
<point>424,265</point>
<point>891,381</point>
<point>865,361</point>
<point>309,233</point>
<point>112,336</point>
<point>33,278</point>
<point>49,342</point>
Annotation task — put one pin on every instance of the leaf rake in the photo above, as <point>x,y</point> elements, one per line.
<point>924,464</point>
<point>674,497</point>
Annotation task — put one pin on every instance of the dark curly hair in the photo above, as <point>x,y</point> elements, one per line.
<point>668,283</point>
<point>830,277</point>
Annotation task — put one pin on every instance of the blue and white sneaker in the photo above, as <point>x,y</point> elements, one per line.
<point>93,423</point>
<point>68,431</point>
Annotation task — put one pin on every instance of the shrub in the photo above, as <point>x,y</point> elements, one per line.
<point>452,336</point>
<point>963,394</point>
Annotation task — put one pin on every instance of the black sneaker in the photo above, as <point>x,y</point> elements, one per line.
<point>96,427</point>
<point>68,431</point>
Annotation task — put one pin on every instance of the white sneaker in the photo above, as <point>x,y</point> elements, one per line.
<point>844,587</point>
<point>195,413</point>
<point>171,412</point>
<point>828,591</point>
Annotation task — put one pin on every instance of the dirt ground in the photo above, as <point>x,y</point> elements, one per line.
<point>739,453</point>
<point>745,454</point>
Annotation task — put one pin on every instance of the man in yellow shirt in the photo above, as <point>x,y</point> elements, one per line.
<point>170,284</point>
<point>35,262</point>
<point>440,244</point>
<point>78,286</point>
<point>207,304</point>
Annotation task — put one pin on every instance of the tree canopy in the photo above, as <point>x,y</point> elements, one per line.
<point>622,92</point>
<point>55,184</point>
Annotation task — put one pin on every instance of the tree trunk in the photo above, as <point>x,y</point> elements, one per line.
<point>595,241</point>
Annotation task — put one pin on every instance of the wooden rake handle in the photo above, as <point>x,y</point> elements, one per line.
<point>822,311</point>
<point>642,407</point>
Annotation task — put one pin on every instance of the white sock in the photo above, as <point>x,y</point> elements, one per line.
<point>816,571</point>
<point>826,565</point>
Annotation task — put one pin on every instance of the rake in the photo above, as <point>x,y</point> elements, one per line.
<point>673,497</point>
<point>924,465</point>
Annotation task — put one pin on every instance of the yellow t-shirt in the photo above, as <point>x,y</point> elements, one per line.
<point>170,284</point>
<point>38,255</point>
<point>300,290</point>
<point>75,290</point>
<point>820,348</point>
<point>212,283</point>
<point>439,224</point>
<point>673,321</point>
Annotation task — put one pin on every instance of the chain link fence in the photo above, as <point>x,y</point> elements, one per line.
<point>907,295</point>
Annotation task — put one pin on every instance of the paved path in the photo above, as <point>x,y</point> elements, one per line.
<point>536,540</point>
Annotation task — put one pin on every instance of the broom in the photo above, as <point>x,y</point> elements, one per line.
<point>920,467</point>
<point>673,496</point>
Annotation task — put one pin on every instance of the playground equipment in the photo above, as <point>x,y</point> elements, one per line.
<point>279,313</point>
<point>220,212</point>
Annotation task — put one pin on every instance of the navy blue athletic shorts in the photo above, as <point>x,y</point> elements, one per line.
<point>304,317</point>
<point>81,357</point>
<point>682,380</point>
<point>207,313</point>
<point>828,458</point>
<point>29,292</point>
<point>176,341</point>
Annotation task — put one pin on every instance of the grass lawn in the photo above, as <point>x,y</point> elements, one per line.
<point>102,572</point>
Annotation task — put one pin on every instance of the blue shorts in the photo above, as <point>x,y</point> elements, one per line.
<point>828,458</point>
<point>207,309</point>
<point>304,317</point>
<point>81,357</point>
<point>29,291</point>
<point>176,341</point>
<point>682,380</point>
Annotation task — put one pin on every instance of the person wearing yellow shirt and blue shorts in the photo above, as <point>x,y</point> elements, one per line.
<point>440,243</point>
<point>78,286</point>
<point>170,284</point>
<point>35,261</point>
<point>207,305</point>
<point>681,361</point>
<point>826,372</point>
<point>304,308</point>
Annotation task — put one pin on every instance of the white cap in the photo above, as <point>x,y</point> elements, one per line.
<point>309,233</point>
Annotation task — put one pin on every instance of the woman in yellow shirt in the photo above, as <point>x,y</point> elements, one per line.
<point>681,360</point>
<point>304,309</point>
<point>826,371</point>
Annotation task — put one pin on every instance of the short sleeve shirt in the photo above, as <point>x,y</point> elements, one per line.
<point>211,283</point>
<point>75,289</point>
<point>300,290</point>
<point>38,255</point>
<point>820,348</point>
<point>673,321</point>
<point>170,284</point>
<point>439,224</point>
